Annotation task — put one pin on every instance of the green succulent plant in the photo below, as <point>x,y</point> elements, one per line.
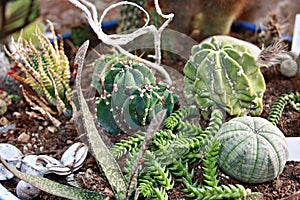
<point>169,156</point>
<point>166,156</point>
<point>16,15</point>
<point>47,72</point>
<point>129,96</point>
<point>292,98</point>
<point>224,75</point>
<point>133,18</point>
<point>252,150</point>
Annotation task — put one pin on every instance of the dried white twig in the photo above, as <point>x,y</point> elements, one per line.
<point>121,39</point>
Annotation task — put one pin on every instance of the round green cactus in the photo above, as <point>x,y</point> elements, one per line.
<point>252,150</point>
<point>224,74</point>
<point>129,96</point>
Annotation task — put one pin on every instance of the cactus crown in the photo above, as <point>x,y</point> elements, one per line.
<point>129,96</point>
<point>224,74</point>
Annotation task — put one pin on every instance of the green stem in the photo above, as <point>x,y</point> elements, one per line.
<point>280,103</point>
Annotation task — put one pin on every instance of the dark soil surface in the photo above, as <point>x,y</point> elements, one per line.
<point>44,138</point>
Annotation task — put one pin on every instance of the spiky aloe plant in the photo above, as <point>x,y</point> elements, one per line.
<point>47,72</point>
<point>224,75</point>
<point>129,96</point>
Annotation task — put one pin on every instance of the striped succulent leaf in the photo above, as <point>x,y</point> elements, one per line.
<point>252,150</point>
<point>224,74</point>
<point>129,96</point>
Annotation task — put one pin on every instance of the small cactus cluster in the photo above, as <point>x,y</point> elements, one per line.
<point>47,72</point>
<point>224,74</point>
<point>132,18</point>
<point>129,96</point>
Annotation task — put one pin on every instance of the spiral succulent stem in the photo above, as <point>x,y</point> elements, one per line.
<point>280,103</point>
<point>179,115</point>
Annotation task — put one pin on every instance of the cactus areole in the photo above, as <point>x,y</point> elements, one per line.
<point>224,74</point>
<point>252,150</point>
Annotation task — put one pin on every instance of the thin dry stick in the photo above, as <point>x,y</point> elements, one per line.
<point>121,39</point>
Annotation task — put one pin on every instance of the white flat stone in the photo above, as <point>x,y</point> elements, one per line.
<point>294,148</point>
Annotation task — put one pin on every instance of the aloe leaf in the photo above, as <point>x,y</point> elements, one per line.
<point>53,187</point>
<point>100,151</point>
<point>153,127</point>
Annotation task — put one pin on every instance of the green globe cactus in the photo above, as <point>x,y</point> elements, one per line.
<point>224,74</point>
<point>129,96</point>
<point>252,150</point>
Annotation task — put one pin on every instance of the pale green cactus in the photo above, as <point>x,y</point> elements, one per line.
<point>224,74</point>
<point>253,150</point>
<point>129,96</point>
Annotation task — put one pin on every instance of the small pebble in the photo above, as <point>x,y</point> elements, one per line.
<point>51,129</point>
<point>29,146</point>
<point>41,149</point>
<point>4,121</point>
<point>17,115</point>
<point>289,68</point>
<point>25,149</point>
<point>45,123</point>
<point>26,191</point>
<point>69,142</point>
<point>24,137</point>
<point>33,140</point>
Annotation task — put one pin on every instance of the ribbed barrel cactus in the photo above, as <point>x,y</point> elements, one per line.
<point>224,74</point>
<point>252,150</point>
<point>129,96</point>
